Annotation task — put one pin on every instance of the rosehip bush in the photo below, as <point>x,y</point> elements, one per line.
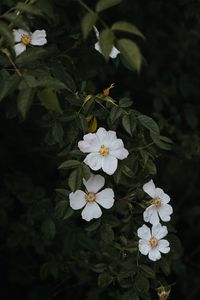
<point>81,215</point>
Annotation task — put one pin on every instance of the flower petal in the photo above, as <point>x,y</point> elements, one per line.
<point>109,164</point>
<point>38,38</point>
<point>17,36</point>
<point>165,198</point>
<point>144,233</point>
<point>97,47</point>
<point>114,52</point>
<point>91,211</point>
<point>159,231</point>
<point>96,31</point>
<point>144,247</point>
<point>164,212</point>
<point>94,183</point>
<point>151,215</point>
<point>154,254</point>
<point>19,48</point>
<point>102,136</point>
<point>105,198</point>
<point>94,161</point>
<point>77,200</point>
<point>149,188</point>
<point>120,153</point>
<point>89,144</point>
<point>163,246</point>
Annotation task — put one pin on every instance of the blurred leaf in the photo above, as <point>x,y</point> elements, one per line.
<point>6,33</point>
<point>29,9</point>
<point>75,180</point>
<point>131,53</point>
<point>49,100</point>
<point>105,4</point>
<point>69,164</point>
<point>48,228</point>
<point>127,27</point>
<point>149,123</point>
<point>24,100</point>
<point>104,280</point>
<point>17,21</point>
<point>87,23</point>
<point>8,83</point>
<point>31,55</point>
<point>106,41</point>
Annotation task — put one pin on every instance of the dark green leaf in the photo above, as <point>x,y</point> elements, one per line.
<point>69,164</point>
<point>49,100</point>
<point>105,4</point>
<point>127,27</point>
<point>149,123</point>
<point>106,41</point>
<point>24,100</point>
<point>75,180</point>
<point>87,23</point>
<point>48,228</point>
<point>6,33</point>
<point>104,280</point>
<point>29,9</point>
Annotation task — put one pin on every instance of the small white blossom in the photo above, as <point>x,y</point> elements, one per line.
<point>92,197</point>
<point>114,51</point>
<point>151,242</point>
<point>104,150</point>
<point>24,38</point>
<point>159,206</point>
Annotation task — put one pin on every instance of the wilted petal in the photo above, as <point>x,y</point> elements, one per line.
<point>151,215</point>
<point>144,247</point>
<point>164,212</point>
<point>105,198</point>
<point>159,231</point>
<point>19,48</point>
<point>38,38</point>
<point>163,246</point>
<point>94,183</point>
<point>154,254</point>
<point>144,233</point>
<point>109,164</point>
<point>91,211</point>
<point>94,161</point>
<point>77,200</point>
<point>149,188</point>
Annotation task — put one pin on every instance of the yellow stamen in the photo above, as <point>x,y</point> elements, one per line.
<point>25,39</point>
<point>156,201</point>
<point>90,197</point>
<point>104,151</point>
<point>153,242</point>
<point>106,92</point>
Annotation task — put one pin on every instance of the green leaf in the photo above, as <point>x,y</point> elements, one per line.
<point>69,164</point>
<point>8,83</point>
<point>104,280</point>
<point>17,21</point>
<point>24,100</point>
<point>6,33</point>
<point>105,4</point>
<point>149,123</point>
<point>147,271</point>
<point>127,27</point>
<point>86,172</point>
<point>125,102</point>
<point>49,100</point>
<point>30,56</point>
<point>99,268</point>
<point>87,23</point>
<point>106,41</point>
<point>131,53</point>
<point>29,9</point>
<point>107,233</point>
<point>127,124</point>
<point>75,180</point>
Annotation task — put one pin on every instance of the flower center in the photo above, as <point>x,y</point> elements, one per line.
<point>104,151</point>
<point>25,39</point>
<point>90,197</point>
<point>153,242</point>
<point>156,201</point>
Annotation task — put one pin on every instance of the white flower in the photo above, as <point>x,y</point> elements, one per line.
<point>114,51</point>
<point>24,38</point>
<point>92,197</point>
<point>151,242</point>
<point>159,206</point>
<point>105,149</point>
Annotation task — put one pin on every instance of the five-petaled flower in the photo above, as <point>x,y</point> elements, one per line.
<point>151,242</point>
<point>159,206</point>
<point>104,150</point>
<point>114,51</point>
<point>24,38</point>
<point>92,197</point>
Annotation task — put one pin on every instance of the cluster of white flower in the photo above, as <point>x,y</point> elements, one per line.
<point>24,38</point>
<point>151,242</point>
<point>104,150</point>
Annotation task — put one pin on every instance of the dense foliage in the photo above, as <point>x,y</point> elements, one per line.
<point>50,97</point>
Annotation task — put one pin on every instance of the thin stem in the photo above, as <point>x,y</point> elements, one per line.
<point>5,51</point>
